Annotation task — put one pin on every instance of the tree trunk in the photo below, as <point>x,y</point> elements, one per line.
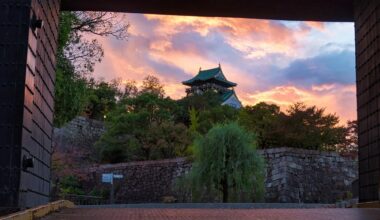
<point>225,188</point>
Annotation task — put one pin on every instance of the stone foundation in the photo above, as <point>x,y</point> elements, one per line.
<point>293,175</point>
<point>297,175</point>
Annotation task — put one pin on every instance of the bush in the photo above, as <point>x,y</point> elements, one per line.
<point>227,165</point>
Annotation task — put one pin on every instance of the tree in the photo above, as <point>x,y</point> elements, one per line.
<point>130,89</point>
<point>71,95</point>
<point>194,121</point>
<point>227,164</point>
<point>77,55</point>
<point>219,114</point>
<point>209,110</point>
<point>310,128</point>
<point>70,88</point>
<point>151,84</point>
<point>102,99</point>
<point>143,128</point>
<point>350,146</point>
<point>84,53</point>
<point>263,120</point>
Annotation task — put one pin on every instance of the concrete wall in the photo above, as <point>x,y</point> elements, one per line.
<point>293,175</point>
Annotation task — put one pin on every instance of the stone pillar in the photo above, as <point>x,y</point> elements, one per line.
<point>367,33</point>
<point>28,41</point>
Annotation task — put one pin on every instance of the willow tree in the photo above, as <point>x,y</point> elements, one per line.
<point>227,165</point>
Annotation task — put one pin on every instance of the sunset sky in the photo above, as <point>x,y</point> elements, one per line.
<point>273,61</point>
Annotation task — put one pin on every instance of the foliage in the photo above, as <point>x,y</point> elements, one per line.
<point>143,128</point>
<point>130,89</point>
<point>76,56</point>
<point>70,97</point>
<point>70,185</point>
<point>102,98</point>
<point>83,52</point>
<point>197,102</point>
<point>300,126</point>
<point>218,114</point>
<point>350,146</point>
<point>310,128</point>
<point>263,120</point>
<point>151,84</point>
<point>194,121</point>
<point>227,164</point>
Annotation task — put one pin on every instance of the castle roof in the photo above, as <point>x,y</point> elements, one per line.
<point>215,74</point>
<point>227,95</point>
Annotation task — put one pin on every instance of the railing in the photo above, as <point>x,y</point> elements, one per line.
<point>85,200</point>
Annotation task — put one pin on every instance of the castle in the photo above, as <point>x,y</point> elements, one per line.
<point>214,80</point>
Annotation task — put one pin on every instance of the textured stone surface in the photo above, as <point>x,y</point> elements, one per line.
<point>146,181</point>
<point>81,132</point>
<point>297,175</point>
<point>293,175</point>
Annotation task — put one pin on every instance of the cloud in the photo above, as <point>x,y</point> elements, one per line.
<point>323,69</point>
<point>269,60</point>
<point>340,99</point>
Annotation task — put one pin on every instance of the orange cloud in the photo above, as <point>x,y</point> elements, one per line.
<point>157,46</point>
<point>316,25</point>
<point>256,38</point>
<point>335,98</point>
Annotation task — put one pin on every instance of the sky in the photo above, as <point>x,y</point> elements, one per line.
<point>279,62</point>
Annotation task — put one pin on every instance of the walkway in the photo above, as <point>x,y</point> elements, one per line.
<point>214,214</point>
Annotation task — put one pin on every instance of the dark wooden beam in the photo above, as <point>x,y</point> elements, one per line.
<point>313,10</point>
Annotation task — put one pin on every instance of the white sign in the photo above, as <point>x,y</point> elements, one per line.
<point>118,176</point>
<point>107,177</point>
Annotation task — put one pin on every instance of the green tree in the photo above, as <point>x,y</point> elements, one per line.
<point>219,114</point>
<point>102,98</point>
<point>70,185</point>
<point>151,84</point>
<point>198,102</point>
<point>143,128</point>
<point>194,121</point>
<point>310,128</point>
<point>77,55</point>
<point>71,95</point>
<point>227,164</point>
<point>263,120</point>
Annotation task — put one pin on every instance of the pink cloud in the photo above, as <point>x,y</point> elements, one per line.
<point>340,99</point>
<point>250,51</point>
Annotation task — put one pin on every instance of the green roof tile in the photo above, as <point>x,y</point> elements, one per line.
<point>204,75</point>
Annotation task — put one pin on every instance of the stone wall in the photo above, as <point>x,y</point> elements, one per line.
<point>79,132</point>
<point>144,181</point>
<point>297,175</point>
<point>293,175</point>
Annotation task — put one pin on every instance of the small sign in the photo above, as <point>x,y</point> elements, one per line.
<point>107,177</point>
<point>118,176</point>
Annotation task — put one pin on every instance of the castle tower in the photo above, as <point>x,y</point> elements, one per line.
<point>213,80</point>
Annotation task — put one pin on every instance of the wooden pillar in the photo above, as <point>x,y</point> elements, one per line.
<point>28,41</point>
<point>367,34</point>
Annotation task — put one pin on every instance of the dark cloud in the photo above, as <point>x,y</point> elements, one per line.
<point>326,68</point>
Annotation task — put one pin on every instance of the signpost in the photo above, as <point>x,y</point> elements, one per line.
<point>108,178</point>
